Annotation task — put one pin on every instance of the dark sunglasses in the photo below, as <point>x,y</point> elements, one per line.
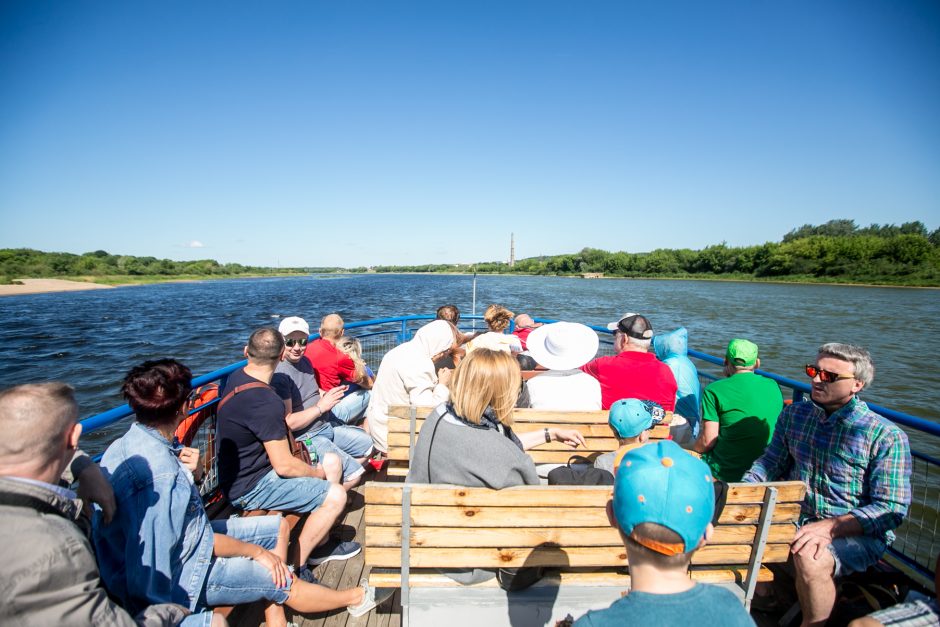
<point>293,343</point>
<point>826,376</point>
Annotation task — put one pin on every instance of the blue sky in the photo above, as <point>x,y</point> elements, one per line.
<point>357,133</point>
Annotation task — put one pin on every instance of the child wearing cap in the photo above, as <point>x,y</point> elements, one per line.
<point>631,420</point>
<point>663,509</point>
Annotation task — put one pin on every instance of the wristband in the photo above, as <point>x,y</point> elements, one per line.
<point>548,436</point>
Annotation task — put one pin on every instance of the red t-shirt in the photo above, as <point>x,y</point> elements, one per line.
<point>633,375</point>
<point>330,364</point>
<point>523,335</point>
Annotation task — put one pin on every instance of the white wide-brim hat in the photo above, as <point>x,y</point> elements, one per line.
<point>562,345</point>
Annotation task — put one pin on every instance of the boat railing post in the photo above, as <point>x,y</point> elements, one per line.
<point>405,552</point>
<point>403,337</point>
<point>760,543</point>
<point>413,415</point>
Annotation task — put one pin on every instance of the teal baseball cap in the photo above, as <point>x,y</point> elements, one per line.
<point>629,417</point>
<point>661,483</point>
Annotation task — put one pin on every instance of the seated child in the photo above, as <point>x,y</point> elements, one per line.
<point>631,420</point>
<point>663,509</point>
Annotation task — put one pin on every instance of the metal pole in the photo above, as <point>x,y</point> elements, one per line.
<point>474,309</point>
<point>760,543</point>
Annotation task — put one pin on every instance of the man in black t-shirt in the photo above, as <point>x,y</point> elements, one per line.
<point>256,468</point>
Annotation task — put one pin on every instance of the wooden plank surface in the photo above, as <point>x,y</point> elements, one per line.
<point>556,557</point>
<point>534,496</point>
<point>456,537</point>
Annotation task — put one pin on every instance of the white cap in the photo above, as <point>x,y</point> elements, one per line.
<point>293,323</point>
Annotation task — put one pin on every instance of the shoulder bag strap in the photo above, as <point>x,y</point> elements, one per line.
<point>242,388</point>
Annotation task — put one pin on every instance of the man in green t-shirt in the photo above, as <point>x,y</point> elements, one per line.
<point>738,414</point>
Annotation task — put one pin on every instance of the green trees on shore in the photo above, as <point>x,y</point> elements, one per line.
<point>837,251</point>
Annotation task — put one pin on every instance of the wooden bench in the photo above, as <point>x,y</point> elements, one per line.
<point>564,527</point>
<point>406,422</point>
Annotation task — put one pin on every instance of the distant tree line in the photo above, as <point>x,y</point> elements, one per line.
<point>25,262</point>
<point>837,251</point>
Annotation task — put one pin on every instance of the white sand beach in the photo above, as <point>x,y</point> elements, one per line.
<point>42,286</point>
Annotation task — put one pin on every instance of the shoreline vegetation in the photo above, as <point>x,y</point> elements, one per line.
<point>835,253</point>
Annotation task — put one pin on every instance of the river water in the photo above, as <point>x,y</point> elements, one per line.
<point>90,339</point>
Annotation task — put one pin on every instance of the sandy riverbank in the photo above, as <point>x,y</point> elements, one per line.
<point>42,286</point>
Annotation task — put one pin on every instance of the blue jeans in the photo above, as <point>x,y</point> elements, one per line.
<point>345,441</point>
<point>236,580</point>
<point>297,494</point>
<point>352,408</point>
<point>854,554</point>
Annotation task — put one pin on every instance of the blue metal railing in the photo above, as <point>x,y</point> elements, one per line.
<point>401,331</point>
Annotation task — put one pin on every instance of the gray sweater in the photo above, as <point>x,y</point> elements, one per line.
<point>467,456</point>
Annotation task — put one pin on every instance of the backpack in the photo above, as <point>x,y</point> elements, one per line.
<point>582,472</point>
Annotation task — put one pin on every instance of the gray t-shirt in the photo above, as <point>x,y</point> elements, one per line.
<point>297,383</point>
<point>702,605</point>
<point>449,450</point>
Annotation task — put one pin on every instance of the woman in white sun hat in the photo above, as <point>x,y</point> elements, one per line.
<point>563,347</point>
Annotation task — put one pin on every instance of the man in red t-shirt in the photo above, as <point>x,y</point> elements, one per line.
<point>633,372</point>
<point>524,325</point>
<point>333,367</point>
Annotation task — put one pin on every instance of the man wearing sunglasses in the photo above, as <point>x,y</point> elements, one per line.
<point>856,466</point>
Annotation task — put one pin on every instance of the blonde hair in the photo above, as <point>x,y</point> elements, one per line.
<point>498,318</point>
<point>486,378</point>
<point>353,347</point>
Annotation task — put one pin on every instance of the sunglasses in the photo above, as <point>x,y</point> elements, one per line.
<point>293,343</point>
<point>826,376</point>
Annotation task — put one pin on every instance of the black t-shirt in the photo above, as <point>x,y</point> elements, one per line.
<point>246,422</point>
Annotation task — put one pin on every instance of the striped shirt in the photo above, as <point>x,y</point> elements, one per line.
<point>852,462</point>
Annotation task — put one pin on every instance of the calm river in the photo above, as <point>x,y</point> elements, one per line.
<point>91,338</point>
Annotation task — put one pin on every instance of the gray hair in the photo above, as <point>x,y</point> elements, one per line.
<point>859,357</point>
<point>644,344</point>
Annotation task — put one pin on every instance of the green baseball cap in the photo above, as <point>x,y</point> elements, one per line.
<point>741,353</point>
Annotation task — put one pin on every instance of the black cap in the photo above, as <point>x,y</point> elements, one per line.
<point>636,326</point>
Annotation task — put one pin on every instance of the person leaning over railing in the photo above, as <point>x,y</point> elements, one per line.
<point>856,466</point>
<point>162,547</point>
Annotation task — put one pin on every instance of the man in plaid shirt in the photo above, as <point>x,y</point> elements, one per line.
<point>856,466</point>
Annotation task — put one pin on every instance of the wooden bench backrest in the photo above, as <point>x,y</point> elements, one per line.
<point>592,425</point>
<point>558,526</point>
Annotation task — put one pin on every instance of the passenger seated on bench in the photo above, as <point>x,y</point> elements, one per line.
<point>663,504</point>
<point>406,376</point>
<point>497,320</point>
<point>310,417</point>
<point>631,420</point>
<point>563,347</point>
<point>470,441</point>
<point>50,576</point>
<point>335,368</point>
<point>256,467</point>
<point>161,546</point>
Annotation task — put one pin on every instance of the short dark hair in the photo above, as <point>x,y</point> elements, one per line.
<point>266,345</point>
<point>157,389</point>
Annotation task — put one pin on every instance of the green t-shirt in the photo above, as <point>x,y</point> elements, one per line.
<point>746,406</point>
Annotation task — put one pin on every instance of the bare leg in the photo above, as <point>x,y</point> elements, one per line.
<point>274,615</point>
<point>318,525</point>
<point>815,587</point>
<point>332,467</point>
<point>865,621</point>
<point>307,598</point>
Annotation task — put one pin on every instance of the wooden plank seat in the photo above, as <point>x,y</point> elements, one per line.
<point>565,527</point>
<point>592,425</point>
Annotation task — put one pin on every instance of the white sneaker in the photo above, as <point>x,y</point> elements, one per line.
<point>370,599</point>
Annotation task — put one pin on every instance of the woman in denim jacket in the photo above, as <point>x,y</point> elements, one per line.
<point>161,547</point>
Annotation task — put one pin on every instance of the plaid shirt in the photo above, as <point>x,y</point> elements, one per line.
<point>852,462</point>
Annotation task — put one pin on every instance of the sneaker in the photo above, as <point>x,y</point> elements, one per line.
<point>305,573</point>
<point>370,599</point>
<point>333,550</point>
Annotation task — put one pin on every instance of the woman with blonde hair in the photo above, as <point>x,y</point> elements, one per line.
<point>470,441</point>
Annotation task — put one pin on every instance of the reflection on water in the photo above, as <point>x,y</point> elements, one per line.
<point>91,338</point>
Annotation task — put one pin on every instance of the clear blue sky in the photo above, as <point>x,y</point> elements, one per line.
<point>356,133</point>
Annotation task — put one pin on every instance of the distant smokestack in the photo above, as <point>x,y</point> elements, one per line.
<point>512,249</point>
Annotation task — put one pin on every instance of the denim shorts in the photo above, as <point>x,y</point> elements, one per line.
<point>854,554</point>
<point>352,409</point>
<point>297,494</point>
<point>345,441</point>
<point>235,580</point>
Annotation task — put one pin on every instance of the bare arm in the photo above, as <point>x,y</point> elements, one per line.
<point>328,400</point>
<point>286,465</point>
<point>707,438</point>
<point>531,439</point>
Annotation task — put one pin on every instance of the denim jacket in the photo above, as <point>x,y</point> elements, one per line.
<point>158,547</point>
